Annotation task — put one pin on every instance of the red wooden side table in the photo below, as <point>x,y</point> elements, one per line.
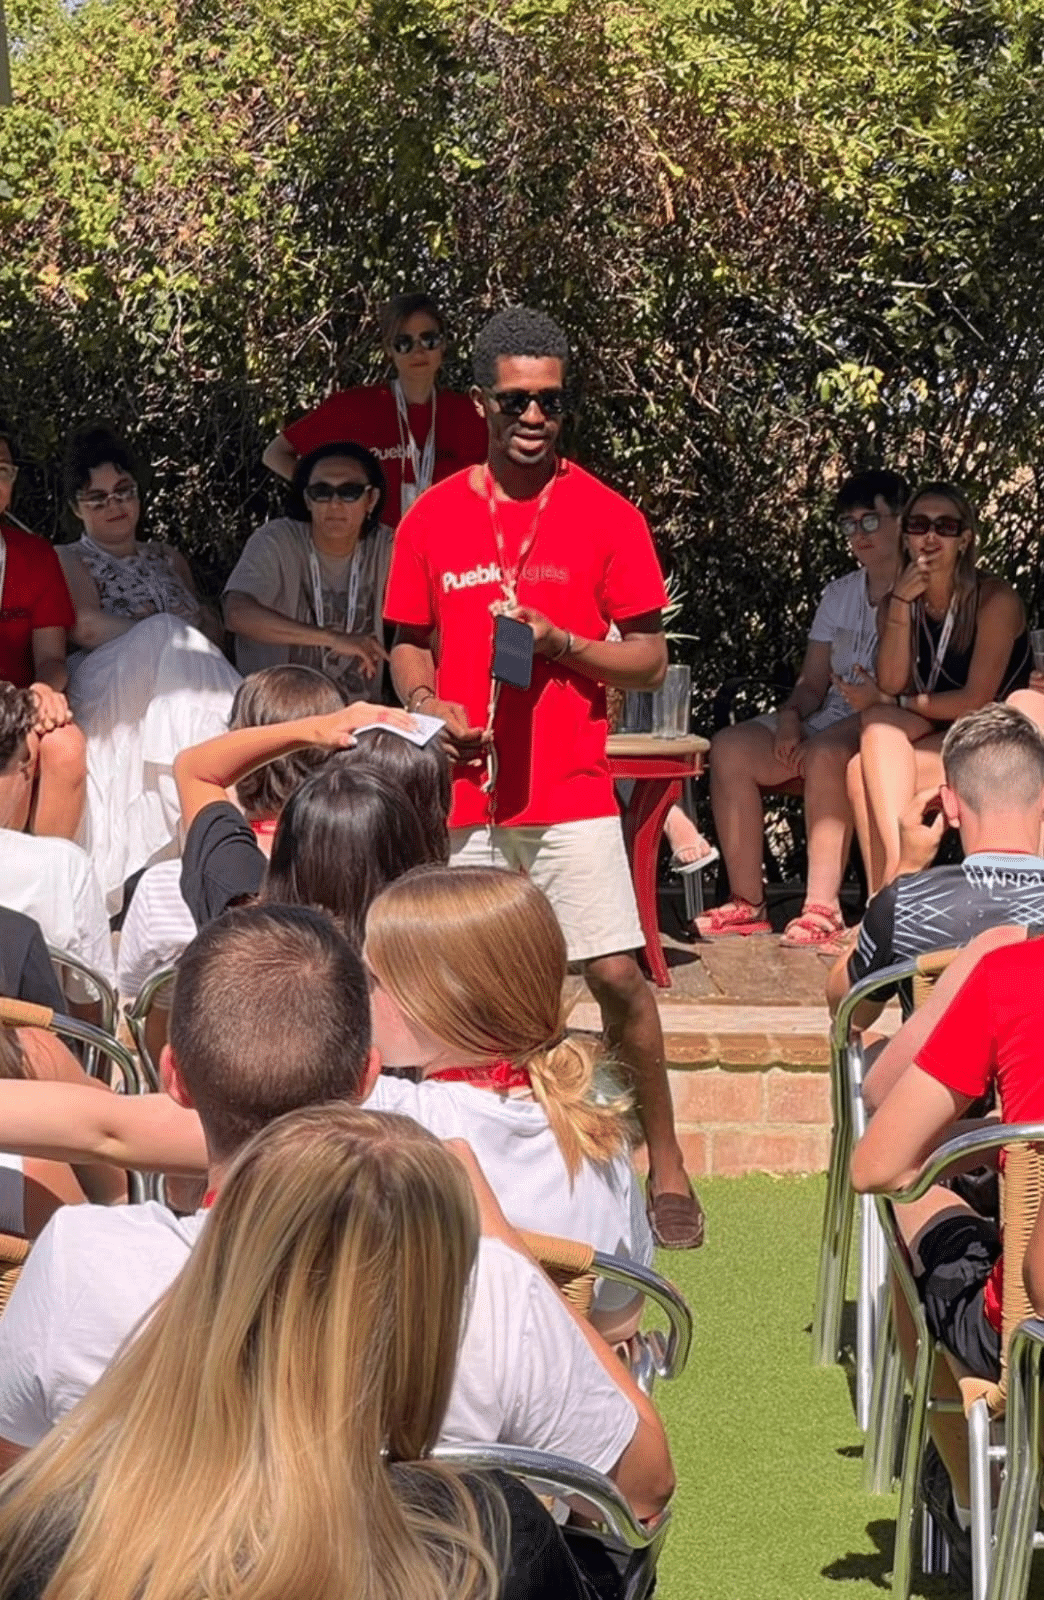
<point>657,767</point>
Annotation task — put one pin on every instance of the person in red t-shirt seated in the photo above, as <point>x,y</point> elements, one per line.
<point>536,538</point>
<point>36,613</point>
<point>979,1030</point>
<point>419,433</point>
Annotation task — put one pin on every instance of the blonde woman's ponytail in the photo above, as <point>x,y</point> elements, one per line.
<point>586,1126</point>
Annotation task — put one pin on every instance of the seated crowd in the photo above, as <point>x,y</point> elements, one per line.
<point>363,1047</point>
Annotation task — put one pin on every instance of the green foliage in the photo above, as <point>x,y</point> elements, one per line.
<point>788,237</point>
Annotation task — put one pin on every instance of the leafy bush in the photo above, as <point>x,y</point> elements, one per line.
<point>787,240</point>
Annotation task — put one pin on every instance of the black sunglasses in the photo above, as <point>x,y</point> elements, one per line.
<point>322,493</point>
<point>516,402</point>
<point>404,344</point>
<point>945,526</point>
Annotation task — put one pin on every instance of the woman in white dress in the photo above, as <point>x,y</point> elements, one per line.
<point>151,679</point>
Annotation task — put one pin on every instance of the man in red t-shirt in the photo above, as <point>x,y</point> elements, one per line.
<point>985,1023</point>
<point>36,613</point>
<point>419,433</point>
<point>540,540</point>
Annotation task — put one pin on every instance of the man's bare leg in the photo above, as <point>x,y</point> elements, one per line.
<point>633,1035</point>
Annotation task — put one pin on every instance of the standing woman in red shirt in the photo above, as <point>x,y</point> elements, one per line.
<point>36,613</point>
<point>419,433</point>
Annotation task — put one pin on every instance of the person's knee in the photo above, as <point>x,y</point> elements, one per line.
<point>616,980</point>
<point>1030,703</point>
<point>63,754</point>
<point>875,718</point>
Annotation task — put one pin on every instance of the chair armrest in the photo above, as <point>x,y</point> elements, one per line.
<point>981,1141</point>
<point>557,1475</point>
<point>669,1355</point>
<point>866,989</point>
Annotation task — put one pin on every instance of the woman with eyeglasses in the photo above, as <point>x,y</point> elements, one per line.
<point>309,587</point>
<point>149,678</point>
<point>419,433</point>
<point>953,639</point>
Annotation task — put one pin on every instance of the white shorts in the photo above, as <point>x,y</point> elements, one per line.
<point>583,869</point>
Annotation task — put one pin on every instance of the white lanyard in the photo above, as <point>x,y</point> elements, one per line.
<point>940,651</point>
<point>421,464</point>
<point>317,590</point>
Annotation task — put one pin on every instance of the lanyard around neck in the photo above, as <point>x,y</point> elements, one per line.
<point>422,464</point>
<point>940,650</point>
<point>317,589</point>
<point>497,1075</point>
<point>509,576</point>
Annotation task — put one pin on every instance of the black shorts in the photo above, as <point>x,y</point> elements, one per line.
<point>958,1254</point>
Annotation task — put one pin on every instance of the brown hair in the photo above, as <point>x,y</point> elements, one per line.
<point>965,577</point>
<point>17,717</point>
<point>994,759</point>
<point>306,1349</point>
<point>281,694</point>
<point>476,956</point>
<point>400,308</point>
<point>422,771</point>
<point>270,1011</point>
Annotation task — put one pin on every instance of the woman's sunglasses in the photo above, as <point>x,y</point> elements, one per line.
<point>404,344</point>
<point>323,493</point>
<point>945,527</point>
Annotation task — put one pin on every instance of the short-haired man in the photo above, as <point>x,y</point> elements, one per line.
<point>980,1029</point>
<point>48,878</point>
<point>993,794</point>
<point>534,537</point>
<point>271,1013</point>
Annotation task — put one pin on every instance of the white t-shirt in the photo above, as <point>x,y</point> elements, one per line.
<point>156,929</point>
<point>847,622</point>
<point>525,1374</point>
<point>516,1149</point>
<point>53,881</point>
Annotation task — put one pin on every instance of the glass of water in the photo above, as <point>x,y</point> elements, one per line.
<point>1037,646</point>
<point>671,703</point>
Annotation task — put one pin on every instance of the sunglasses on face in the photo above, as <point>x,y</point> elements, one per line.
<point>516,402</point>
<point>95,500</point>
<point>946,527</point>
<point>869,522</point>
<point>322,493</point>
<point>404,344</point>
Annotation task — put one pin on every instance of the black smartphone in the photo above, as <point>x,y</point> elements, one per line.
<point>513,652</point>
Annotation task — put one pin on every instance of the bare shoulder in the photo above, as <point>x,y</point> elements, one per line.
<point>998,597</point>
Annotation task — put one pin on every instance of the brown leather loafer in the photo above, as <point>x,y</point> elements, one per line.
<point>676,1220</point>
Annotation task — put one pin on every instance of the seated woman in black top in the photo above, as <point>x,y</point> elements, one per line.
<point>344,834</point>
<point>267,1431</point>
<point>954,639</point>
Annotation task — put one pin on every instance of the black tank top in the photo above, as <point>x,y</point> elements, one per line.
<point>953,671</point>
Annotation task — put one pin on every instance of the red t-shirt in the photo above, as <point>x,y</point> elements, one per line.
<point>35,595</point>
<point>991,1032</point>
<point>592,563</point>
<point>368,416</point>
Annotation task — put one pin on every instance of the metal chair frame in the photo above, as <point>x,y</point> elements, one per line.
<point>137,1016</point>
<point>955,1151</point>
<point>106,993</point>
<point>849,1119</point>
<point>633,1545</point>
<point>660,1356</point>
<point>1019,1507</point>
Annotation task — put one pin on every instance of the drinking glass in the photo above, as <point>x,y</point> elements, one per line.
<point>671,702</point>
<point>1037,646</point>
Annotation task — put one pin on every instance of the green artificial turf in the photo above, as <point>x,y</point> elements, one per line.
<point>768,1455</point>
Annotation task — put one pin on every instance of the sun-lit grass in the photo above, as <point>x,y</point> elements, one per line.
<point>770,1502</point>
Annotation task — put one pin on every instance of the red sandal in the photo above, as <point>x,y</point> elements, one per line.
<point>817,928</point>
<point>735,919</point>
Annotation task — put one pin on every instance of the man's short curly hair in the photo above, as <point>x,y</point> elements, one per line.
<point>516,331</point>
<point>17,716</point>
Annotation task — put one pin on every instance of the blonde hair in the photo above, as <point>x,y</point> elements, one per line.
<point>476,957</point>
<point>965,577</point>
<point>244,1446</point>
